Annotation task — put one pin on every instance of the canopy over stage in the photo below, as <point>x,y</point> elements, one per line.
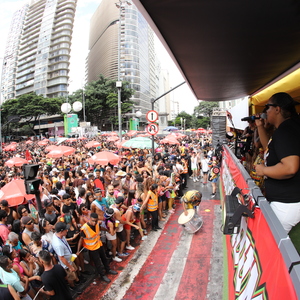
<point>228,49</point>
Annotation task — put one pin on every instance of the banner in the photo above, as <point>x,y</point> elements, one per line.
<point>256,269</point>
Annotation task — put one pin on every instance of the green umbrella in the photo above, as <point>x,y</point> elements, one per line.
<point>140,142</point>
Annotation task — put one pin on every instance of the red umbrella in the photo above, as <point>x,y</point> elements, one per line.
<point>82,138</point>
<point>28,142</point>
<point>112,139</point>
<point>92,144</point>
<point>50,148</point>
<point>42,143</point>
<point>171,141</point>
<point>131,132</point>
<point>60,151</point>
<point>16,161</point>
<point>113,133</point>
<point>14,192</point>
<point>71,140</point>
<point>10,147</point>
<point>103,158</point>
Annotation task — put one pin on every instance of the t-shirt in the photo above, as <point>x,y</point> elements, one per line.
<point>69,209</point>
<point>11,278</point>
<point>62,248</point>
<point>284,142</point>
<point>54,280</point>
<point>5,293</point>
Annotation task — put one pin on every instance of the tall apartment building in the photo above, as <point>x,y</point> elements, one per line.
<point>10,58</point>
<point>137,55</point>
<point>42,62</point>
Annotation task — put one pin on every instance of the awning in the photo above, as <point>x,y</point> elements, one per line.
<point>227,49</point>
<point>289,84</point>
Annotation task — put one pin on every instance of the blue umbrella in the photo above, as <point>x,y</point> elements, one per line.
<point>170,128</point>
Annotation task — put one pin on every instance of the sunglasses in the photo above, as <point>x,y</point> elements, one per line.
<point>270,104</point>
<point>29,223</point>
<point>24,211</point>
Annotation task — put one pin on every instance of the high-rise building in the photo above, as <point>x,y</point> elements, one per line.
<point>10,58</point>
<point>136,51</point>
<point>42,59</point>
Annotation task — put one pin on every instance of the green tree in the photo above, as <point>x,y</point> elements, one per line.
<point>30,107</point>
<point>205,108</point>
<point>101,101</point>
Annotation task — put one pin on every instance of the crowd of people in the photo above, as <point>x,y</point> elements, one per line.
<point>89,211</point>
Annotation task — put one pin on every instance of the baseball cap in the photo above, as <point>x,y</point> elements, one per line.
<point>61,226</point>
<point>119,200</point>
<point>26,220</point>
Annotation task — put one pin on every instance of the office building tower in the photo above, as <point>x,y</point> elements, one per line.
<point>42,62</point>
<point>136,51</point>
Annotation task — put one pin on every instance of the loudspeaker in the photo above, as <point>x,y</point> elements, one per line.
<point>218,126</point>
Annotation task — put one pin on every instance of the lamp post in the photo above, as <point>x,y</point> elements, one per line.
<point>66,108</point>
<point>121,6</point>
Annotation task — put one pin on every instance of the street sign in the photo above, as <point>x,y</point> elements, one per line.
<point>152,128</point>
<point>152,116</point>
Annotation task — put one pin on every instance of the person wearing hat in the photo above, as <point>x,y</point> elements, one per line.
<point>11,214</point>
<point>131,216</point>
<point>191,199</point>
<point>90,240</point>
<point>282,159</point>
<point>111,235</point>
<point>28,224</point>
<point>64,252</point>
<point>51,214</point>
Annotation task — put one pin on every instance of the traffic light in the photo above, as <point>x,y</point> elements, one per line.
<point>31,182</point>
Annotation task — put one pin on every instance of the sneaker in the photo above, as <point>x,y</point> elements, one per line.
<point>117,259</point>
<point>105,278</point>
<point>194,180</point>
<point>123,254</point>
<point>144,237</point>
<point>129,247</point>
<point>213,195</point>
<point>145,231</point>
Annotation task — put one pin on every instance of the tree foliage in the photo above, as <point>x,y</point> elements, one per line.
<point>205,108</point>
<point>101,101</point>
<point>30,107</point>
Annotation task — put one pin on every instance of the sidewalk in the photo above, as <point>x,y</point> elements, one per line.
<point>171,261</point>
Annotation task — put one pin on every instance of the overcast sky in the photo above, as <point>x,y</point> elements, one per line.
<point>79,50</point>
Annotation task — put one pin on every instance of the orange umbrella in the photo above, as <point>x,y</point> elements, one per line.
<point>92,144</point>
<point>103,158</point>
<point>16,161</point>
<point>14,192</point>
<point>10,147</point>
<point>171,141</point>
<point>60,151</point>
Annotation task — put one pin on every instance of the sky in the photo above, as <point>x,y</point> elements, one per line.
<point>79,50</point>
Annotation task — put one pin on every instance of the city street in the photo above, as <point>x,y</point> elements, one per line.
<point>171,263</point>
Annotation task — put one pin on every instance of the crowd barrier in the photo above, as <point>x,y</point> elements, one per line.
<point>262,261</point>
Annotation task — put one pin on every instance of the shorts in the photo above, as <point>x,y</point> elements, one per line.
<point>205,172</point>
<point>110,237</point>
<point>122,235</point>
<point>71,275</point>
<point>215,180</point>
